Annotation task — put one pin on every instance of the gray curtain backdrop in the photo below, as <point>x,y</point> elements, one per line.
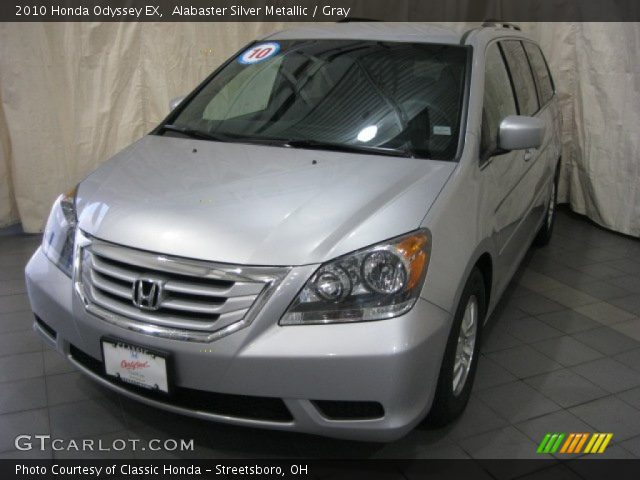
<point>73,94</point>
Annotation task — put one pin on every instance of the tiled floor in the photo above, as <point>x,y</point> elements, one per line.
<point>562,354</point>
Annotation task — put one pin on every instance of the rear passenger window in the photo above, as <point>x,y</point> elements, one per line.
<point>522,77</point>
<point>540,72</point>
<point>498,98</point>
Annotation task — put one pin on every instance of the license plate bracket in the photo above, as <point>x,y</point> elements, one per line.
<point>135,365</point>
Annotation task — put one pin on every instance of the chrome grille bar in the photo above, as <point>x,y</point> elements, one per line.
<point>199,301</point>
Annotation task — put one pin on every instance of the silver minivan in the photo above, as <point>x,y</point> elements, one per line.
<point>313,239</point>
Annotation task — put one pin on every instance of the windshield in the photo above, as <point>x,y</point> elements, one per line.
<point>375,97</point>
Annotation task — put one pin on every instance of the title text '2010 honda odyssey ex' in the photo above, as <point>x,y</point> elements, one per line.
<point>313,239</point>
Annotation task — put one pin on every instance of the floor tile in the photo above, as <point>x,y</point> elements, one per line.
<point>536,304</point>
<point>607,341</point>
<point>416,444</point>
<point>30,422</point>
<point>12,287</point>
<point>13,272</point>
<point>570,297</point>
<point>609,374</point>
<point>22,395</point>
<point>630,283</point>
<point>530,329</point>
<point>517,402</point>
<point>495,339</point>
<point>524,361</point>
<point>510,442</point>
<point>14,303</point>
<point>632,445</point>
<point>490,374</point>
<point>605,313</point>
<point>610,414</point>
<point>576,259</point>
<point>72,387</point>
<point>600,271</point>
<point>632,397</point>
<point>629,303</point>
<point>505,312</point>
<point>17,260</point>
<point>602,290</point>
<point>569,321</point>
<point>16,322</point>
<point>631,329</point>
<point>55,363</point>
<point>567,351</point>
<point>560,422</point>
<point>566,388</point>
<point>18,367</point>
<point>85,418</point>
<point>599,254</point>
<point>25,341</point>
<point>626,265</point>
<point>477,418</point>
<point>538,282</point>
<point>631,359</point>
<point>566,276</point>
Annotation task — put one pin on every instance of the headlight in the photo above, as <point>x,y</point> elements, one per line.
<point>376,283</point>
<point>59,234</point>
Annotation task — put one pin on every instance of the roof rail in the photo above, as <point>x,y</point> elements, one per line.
<point>500,24</point>
<point>356,19</point>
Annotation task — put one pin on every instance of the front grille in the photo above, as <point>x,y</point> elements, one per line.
<point>198,301</point>
<point>238,406</point>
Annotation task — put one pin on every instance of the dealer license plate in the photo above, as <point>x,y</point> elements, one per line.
<point>135,365</point>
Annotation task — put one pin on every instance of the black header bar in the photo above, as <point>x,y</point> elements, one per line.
<point>319,10</point>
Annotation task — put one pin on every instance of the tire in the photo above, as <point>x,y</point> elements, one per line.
<point>452,397</point>
<point>546,230</point>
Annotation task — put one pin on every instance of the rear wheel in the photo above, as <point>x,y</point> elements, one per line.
<point>546,230</point>
<point>461,355</point>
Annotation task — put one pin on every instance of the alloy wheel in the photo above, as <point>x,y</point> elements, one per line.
<point>466,345</point>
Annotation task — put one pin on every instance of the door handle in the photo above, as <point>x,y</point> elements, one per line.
<point>528,154</point>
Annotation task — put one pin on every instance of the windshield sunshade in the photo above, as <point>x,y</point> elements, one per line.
<point>385,97</point>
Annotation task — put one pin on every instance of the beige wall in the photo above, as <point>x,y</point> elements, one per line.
<point>73,94</point>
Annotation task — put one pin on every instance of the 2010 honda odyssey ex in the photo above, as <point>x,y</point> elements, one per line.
<point>313,239</point>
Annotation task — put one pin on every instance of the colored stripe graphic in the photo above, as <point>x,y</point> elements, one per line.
<point>550,443</point>
<point>582,442</point>
<point>574,443</point>
<point>598,442</point>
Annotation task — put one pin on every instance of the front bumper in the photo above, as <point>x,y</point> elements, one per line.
<point>393,362</point>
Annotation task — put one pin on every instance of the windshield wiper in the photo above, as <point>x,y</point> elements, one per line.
<point>223,137</point>
<point>306,144</point>
<point>189,132</point>
<point>342,147</point>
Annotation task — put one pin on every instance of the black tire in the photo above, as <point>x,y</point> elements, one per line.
<point>546,230</point>
<point>448,404</point>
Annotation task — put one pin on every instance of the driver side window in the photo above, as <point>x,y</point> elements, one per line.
<point>498,99</point>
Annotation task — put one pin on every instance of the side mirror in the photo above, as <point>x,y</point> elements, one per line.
<point>174,102</point>
<point>520,133</point>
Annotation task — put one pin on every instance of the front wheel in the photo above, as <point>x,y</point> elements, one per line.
<point>460,360</point>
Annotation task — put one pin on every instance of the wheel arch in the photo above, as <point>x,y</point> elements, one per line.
<point>485,265</point>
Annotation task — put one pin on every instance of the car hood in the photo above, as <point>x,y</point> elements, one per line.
<point>254,205</point>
